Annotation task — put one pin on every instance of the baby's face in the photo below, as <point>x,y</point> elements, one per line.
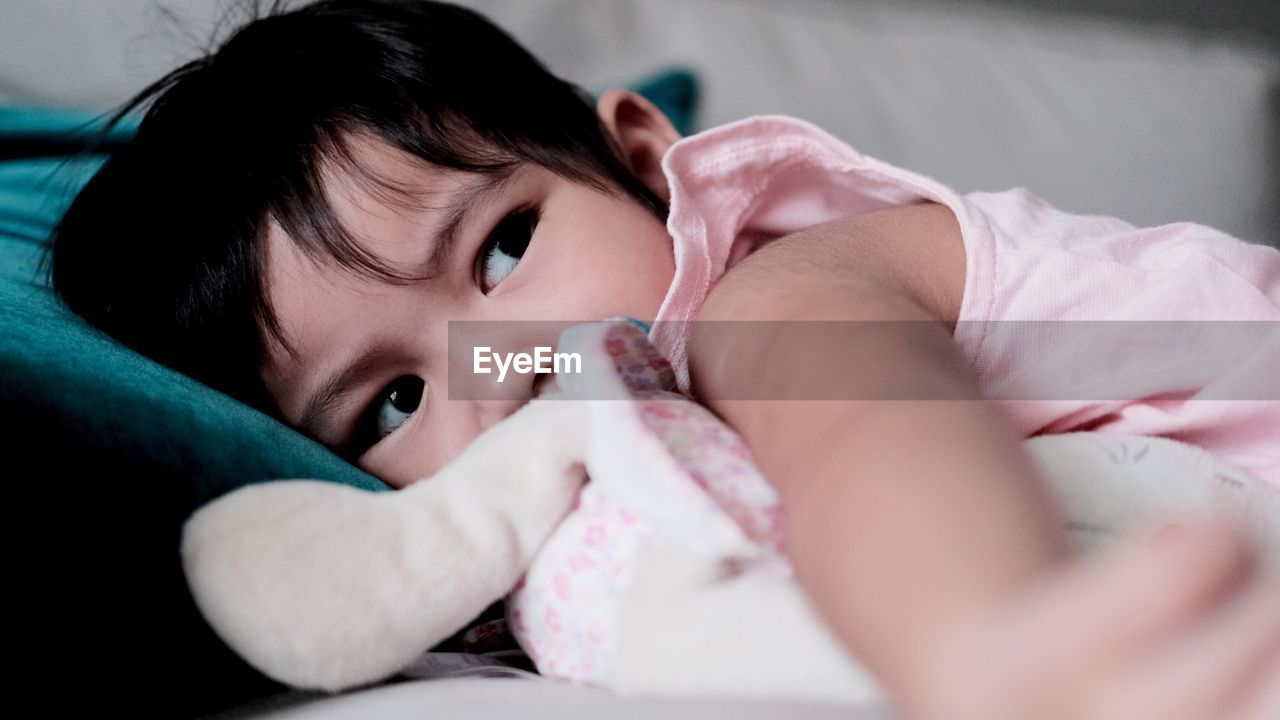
<point>371,362</point>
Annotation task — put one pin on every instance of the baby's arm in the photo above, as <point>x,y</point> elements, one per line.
<point>910,522</point>
<point>916,514</point>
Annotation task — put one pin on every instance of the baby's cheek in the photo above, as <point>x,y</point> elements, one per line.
<point>660,273</point>
<point>638,284</point>
<point>405,458</point>
<point>588,291</point>
<point>399,471</point>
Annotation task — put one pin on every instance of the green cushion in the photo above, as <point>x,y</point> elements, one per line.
<point>675,92</point>
<point>115,397</point>
<point>126,449</point>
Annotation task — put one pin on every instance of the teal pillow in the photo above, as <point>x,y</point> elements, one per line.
<point>113,396</point>
<point>126,449</point>
<point>675,92</point>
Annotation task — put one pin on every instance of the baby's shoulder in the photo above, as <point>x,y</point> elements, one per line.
<point>914,250</point>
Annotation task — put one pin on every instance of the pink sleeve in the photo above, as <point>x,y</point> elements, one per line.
<point>1166,352</point>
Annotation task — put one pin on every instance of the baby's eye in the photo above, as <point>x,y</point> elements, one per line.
<point>396,404</point>
<point>505,247</point>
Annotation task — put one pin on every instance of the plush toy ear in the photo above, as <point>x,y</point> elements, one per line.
<point>325,586</point>
<point>1108,486</point>
<point>306,581</point>
<point>618,361</point>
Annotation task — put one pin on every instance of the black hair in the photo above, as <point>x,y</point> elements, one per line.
<point>163,248</point>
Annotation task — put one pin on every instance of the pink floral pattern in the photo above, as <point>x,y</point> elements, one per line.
<point>663,469</point>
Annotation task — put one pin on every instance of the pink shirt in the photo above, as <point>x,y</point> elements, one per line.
<point>1215,385</point>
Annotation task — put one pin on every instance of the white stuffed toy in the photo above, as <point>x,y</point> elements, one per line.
<point>664,575</point>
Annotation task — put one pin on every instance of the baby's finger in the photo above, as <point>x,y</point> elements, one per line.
<point>1103,612</point>
<point>1207,667</point>
<point>1264,704</point>
<point>1142,592</point>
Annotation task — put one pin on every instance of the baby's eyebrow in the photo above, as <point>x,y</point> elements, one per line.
<point>317,415</point>
<point>457,210</point>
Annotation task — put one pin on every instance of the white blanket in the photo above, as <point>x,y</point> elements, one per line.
<point>691,634</point>
<point>324,586</point>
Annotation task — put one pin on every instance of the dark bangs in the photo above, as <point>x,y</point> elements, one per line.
<point>163,248</point>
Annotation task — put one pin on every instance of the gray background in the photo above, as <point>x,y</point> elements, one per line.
<point>1149,110</point>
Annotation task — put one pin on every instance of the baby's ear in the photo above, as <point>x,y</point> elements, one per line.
<point>642,131</point>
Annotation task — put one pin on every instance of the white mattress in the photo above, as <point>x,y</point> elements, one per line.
<point>1147,124</point>
<point>524,699</point>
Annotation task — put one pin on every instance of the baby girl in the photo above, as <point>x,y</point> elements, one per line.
<point>304,212</point>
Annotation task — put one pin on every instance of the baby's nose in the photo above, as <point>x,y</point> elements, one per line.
<point>519,392</point>
<point>544,383</point>
<point>491,412</point>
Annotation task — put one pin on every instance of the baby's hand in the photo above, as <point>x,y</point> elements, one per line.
<point>1181,628</point>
